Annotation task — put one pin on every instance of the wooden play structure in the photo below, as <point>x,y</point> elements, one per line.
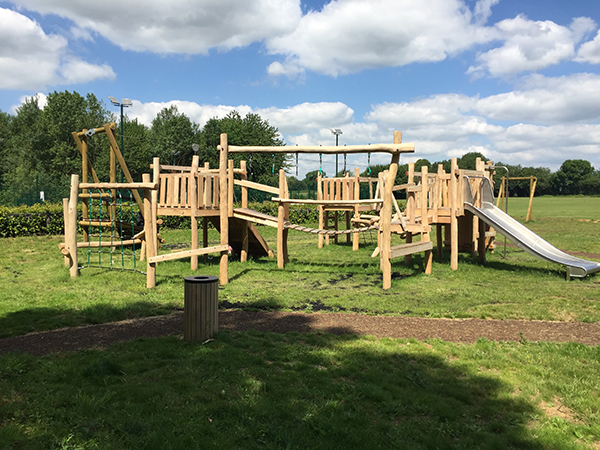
<point>201,192</point>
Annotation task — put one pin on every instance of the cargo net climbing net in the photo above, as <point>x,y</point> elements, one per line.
<point>113,230</point>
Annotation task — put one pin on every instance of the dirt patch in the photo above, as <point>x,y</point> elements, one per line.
<point>453,330</point>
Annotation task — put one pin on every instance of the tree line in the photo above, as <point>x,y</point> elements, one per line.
<point>575,176</point>
<point>38,153</point>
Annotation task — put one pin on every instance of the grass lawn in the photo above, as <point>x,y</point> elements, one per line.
<point>262,390</point>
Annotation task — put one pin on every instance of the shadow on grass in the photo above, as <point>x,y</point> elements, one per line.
<point>262,390</point>
<point>41,319</point>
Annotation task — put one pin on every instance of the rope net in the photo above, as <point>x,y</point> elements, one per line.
<point>111,226</point>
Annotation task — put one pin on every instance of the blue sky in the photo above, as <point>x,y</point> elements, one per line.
<point>515,80</point>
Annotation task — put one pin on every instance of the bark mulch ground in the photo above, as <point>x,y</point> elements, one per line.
<point>454,330</point>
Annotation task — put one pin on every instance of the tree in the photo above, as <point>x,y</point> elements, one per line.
<point>468,160</point>
<point>250,130</point>
<point>567,180</point>
<point>173,134</point>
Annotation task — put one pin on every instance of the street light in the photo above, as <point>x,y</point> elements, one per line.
<point>195,148</point>
<point>337,133</point>
<point>125,103</point>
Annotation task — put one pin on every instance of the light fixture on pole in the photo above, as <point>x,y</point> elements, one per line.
<point>336,132</point>
<point>124,103</point>
<point>195,148</point>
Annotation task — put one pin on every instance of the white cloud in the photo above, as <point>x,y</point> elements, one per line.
<point>23,47</point>
<point>184,26</point>
<point>308,116</point>
<point>77,71</point>
<point>361,34</point>
<point>590,51</point>
<point>545,100</point>
<point>32,59</point>
<point>146,112</point>
<point>531,46</point>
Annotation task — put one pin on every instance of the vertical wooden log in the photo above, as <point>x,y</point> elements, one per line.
<point>411,205</point>
<point>230,188</point>
<point>532,185</point>
<point>71,235</point>
<point>67,259</point>
<point>245,243</point>
<point>281,218</point>
<point>356,235</point>
<point>454,184</point>
<point>200,308</point>
<point>149,234</point>
<point>223,210</point>
<point>244,188</point>
<point>425,219</point>
<point>207,200</point>
<point>193,200</point>
<point>386,217</point>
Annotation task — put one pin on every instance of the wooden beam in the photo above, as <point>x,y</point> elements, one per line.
<point>328,150</point>
<point>149,185</point>
<point>257,186</point>
<point>189,253</point>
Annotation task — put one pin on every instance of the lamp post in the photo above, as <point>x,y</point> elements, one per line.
<point>124,103</point>
<point>195,148</point>
<point>337,133</point>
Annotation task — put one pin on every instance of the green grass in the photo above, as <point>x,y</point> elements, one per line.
<point>262,390</point>
<point>38,294</point>
<point>556,207</point>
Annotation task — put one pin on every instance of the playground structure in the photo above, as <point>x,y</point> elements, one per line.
<point>456,203</point>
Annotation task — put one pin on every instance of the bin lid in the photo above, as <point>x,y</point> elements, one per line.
<point>201,279</point>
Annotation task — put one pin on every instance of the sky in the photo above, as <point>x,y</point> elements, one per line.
<point>518,81</point>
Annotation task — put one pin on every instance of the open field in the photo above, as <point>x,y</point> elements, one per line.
<point>263,390</point>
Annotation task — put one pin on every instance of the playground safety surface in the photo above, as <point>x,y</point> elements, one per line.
<point>454,330</point>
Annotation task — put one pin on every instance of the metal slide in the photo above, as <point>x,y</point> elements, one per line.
<point>522,236</point>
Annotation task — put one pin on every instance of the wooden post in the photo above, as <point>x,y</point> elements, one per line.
<point>411,205</point>
<point>454,214</point>
<point>532,185</point>
<point>193,199</point>
<point>282,216</point>
<point>386,217</point>
<point>230,188</point>
<point>67,258</point>
<point>200,308</point>
<point>356,236</point>
<point>149,233</point>
<point>154,206</point>
<point>244,253</point>
<point>223,210</point>
<point>72,243</point>
<point>425,219</point>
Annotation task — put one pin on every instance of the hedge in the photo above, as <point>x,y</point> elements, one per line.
<point>47,218</point>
